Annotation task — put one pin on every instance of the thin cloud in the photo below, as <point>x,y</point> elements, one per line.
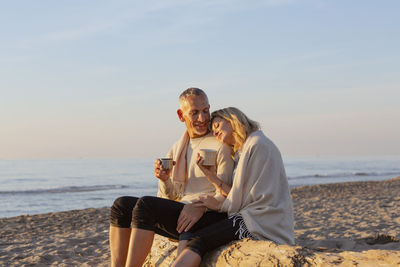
<point>125,16</point>
<point>130,13</point>
<point>247,4</point>
<point>76,34</point>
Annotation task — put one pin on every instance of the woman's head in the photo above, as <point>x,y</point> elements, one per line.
<point>231,126</point>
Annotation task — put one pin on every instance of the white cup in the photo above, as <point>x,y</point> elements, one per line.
<point>167,163</point>
<point>209,156</point>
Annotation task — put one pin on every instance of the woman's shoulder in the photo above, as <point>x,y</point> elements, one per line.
<point>257,139</point>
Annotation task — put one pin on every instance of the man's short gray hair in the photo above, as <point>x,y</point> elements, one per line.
<point>189,92</point>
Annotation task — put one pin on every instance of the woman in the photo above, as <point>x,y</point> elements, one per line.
<point>258,205</point>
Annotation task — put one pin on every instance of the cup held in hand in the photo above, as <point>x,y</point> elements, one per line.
<point>166,163</point>
<point>209,156</point>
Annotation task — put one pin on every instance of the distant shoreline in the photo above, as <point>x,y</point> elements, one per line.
<point>295,188</point>
<point>27,186</point>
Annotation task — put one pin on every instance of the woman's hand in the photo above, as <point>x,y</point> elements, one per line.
<point>208,201</point>
<point>210,172</point>
<point>211,175</point>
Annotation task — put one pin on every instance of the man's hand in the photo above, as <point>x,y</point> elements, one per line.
<point>159,172</point>
<point>190,214</point>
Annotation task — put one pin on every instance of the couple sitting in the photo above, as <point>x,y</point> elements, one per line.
<point>245,195</point>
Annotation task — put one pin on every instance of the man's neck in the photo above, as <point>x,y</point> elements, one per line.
<point>199,136</point>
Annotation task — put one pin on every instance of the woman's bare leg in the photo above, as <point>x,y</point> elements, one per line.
<point>187,258</point>
<point>181,246</point>
<point>119,243</point>
<point>139,247</point>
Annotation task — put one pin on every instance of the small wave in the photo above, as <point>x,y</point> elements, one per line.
<point>96,198</point>
<point>318,175</point>
<point>321,175</point>
<point>66,189</point>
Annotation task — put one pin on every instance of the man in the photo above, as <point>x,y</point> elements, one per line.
<point>185,182</point>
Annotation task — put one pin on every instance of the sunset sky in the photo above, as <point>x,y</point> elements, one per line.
<point>101,79</point>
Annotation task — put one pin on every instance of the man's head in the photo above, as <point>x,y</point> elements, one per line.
<point>194,111</point>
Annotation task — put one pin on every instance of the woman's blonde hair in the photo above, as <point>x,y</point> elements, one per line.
<point>242,126</point>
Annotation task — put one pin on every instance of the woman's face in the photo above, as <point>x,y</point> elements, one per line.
<point>222,129</point>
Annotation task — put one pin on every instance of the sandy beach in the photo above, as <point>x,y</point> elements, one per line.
<point>357,216</point>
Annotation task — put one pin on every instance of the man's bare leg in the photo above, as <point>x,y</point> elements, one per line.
<point>187,258</point>
<point>119,244</point>
<point>139,247</point>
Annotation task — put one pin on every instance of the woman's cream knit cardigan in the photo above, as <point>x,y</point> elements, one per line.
<point>260,191</point>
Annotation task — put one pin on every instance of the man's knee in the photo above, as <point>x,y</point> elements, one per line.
<point>143,213</point>
<point>121,211</point>
<point>143,206</point>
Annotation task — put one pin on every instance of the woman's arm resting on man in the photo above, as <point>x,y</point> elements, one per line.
<point>208,201</point>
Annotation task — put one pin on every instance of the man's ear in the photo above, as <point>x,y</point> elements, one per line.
<point>180,115</point>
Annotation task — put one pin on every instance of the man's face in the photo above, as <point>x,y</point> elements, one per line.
<point>195,112</point>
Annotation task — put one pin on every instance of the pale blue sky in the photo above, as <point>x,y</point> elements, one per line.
<point>97,79</point>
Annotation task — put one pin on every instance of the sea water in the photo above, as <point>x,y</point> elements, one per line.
<point>40,186</point>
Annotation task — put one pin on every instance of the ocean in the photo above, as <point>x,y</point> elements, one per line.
<point>40,186</point>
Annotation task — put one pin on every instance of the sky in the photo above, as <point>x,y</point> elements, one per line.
<point>101,79</point>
